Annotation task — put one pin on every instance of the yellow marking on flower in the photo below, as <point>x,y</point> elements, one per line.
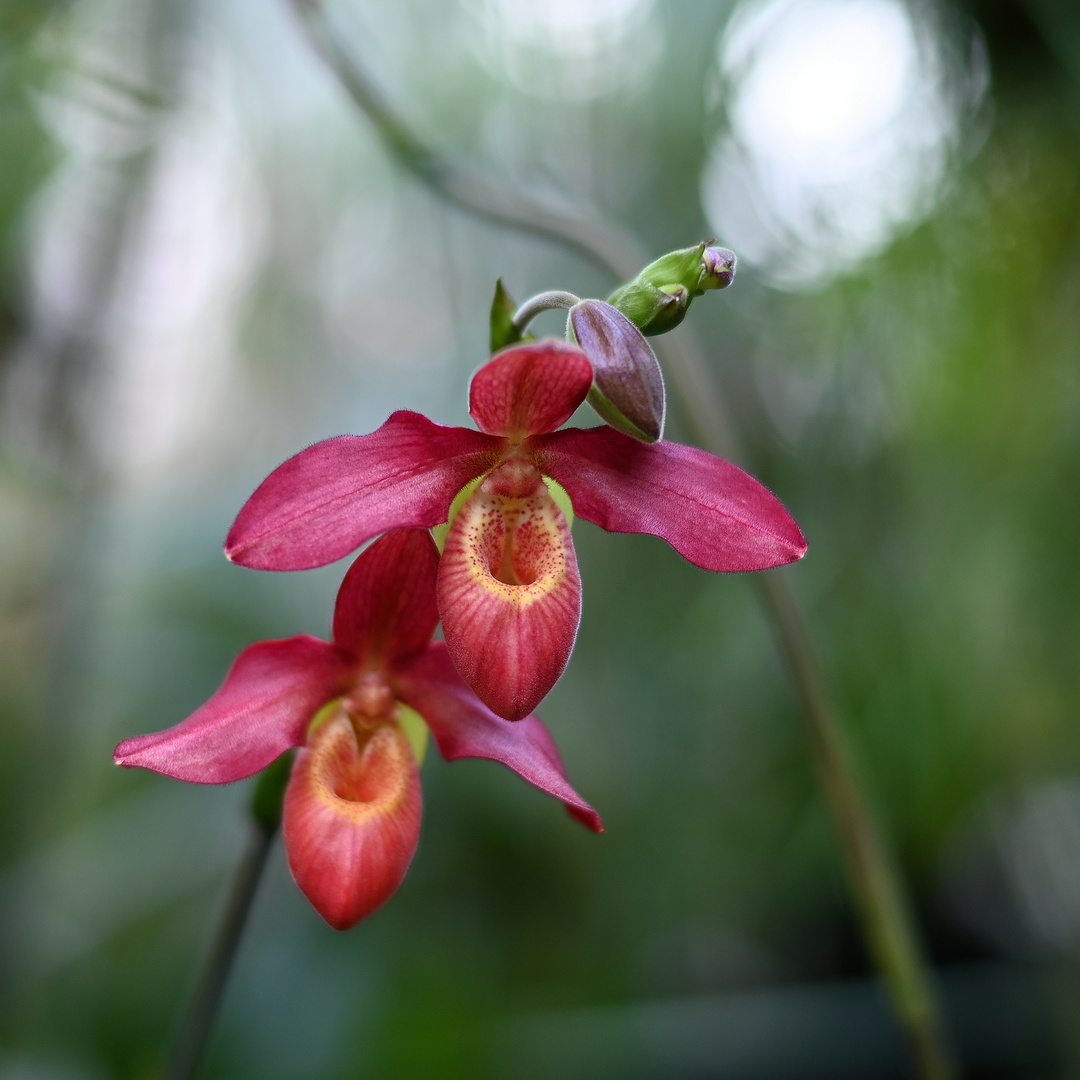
<point>438,533</point>
<point>514,548</point>
<point>416,730</point>
<point>359,777</point>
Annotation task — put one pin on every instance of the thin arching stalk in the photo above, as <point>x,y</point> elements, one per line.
<point>880,900</point>
<point>197,1023</point>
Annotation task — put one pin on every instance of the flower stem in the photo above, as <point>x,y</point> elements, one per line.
<point>191,1036</point>
<point>544,301</point>
<point>891,937</point>
<point>881,905</point>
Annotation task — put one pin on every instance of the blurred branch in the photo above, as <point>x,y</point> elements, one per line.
<point>194,1030</point>
<point>880,899</point>
<point>889,930</point>
<point>468,189</point>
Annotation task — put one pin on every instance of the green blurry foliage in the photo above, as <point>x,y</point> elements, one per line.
<point>27,153</point>
<point>921,419</point>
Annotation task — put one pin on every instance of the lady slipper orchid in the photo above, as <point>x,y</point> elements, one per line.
<point>351,816</point>
<point>509,591</point>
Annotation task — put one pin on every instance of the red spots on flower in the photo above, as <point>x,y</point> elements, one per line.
<point>509,594</point>
<point>510,598</point>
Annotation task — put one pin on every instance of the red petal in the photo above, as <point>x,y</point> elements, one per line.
<point>327,500</point>
<point>386,607</point>
<point>351,819</point>
<point>509,641</point>
<point>528,389</point>
<point>262,709</point>
<point>463,727</point>
<point>710,511</point>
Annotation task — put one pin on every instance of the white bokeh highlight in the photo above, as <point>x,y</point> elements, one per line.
<point>839,130</point>
<point>573,50</point>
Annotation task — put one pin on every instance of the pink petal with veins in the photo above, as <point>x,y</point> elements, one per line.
<point>529,388</point>
<point>262,709</point>
<point>327,500</point>
<point>386,609</point>
<point>710,511</point>
<point>463,727</point>
<point>351,818</point>
<point>509,593</point>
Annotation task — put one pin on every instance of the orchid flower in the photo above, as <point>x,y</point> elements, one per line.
<point>509,590</point>
<point>359,708</point>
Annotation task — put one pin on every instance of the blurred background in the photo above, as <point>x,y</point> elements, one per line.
<point>209,261</point>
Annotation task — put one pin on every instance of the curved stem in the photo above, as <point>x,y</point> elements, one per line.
<point>190,1039</point>
<point>544,301</point>
<point>892,939</point>
<point>889,931</point>
<point>468,189</point>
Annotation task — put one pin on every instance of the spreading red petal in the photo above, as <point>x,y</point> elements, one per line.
<point>327,500</point>
<point>710,511</point>
<point>510,597</point>
<point>262,709</point>
<point>386,609</point>
<point>463,727</point>
<point>351,819</point>
<point>529,388</point>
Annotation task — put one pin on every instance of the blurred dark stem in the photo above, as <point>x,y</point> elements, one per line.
<point>891,938</point>
<point>266,806</point>
<point>190,1040</point>
<point>879,895</point>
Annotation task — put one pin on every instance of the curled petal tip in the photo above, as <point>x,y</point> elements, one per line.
<point>262,709</point>
<point>589,818</point>
<point>709,510</point>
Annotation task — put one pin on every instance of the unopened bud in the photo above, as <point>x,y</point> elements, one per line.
<point>717,268</point>
<point>628,387</point>
<point>658,298</point>
<point>650,309</point>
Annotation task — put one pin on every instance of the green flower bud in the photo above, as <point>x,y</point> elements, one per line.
<point>658,298</point>
<point>682,267</point>
<point>652,310</point>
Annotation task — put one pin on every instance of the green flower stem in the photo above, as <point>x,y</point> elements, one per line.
<point>191,1036</point>
<point>888,929</point>
<point>890,933</point>
<point>544,301</point>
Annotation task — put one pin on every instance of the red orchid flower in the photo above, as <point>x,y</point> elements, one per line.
<point>509,591</point>
<point>351,817</point>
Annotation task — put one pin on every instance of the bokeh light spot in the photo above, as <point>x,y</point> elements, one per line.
<point>839,127</point>
<point>573,50</point>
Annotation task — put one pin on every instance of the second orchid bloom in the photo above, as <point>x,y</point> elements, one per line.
<point>359,708</point>
<point>508,585</point>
